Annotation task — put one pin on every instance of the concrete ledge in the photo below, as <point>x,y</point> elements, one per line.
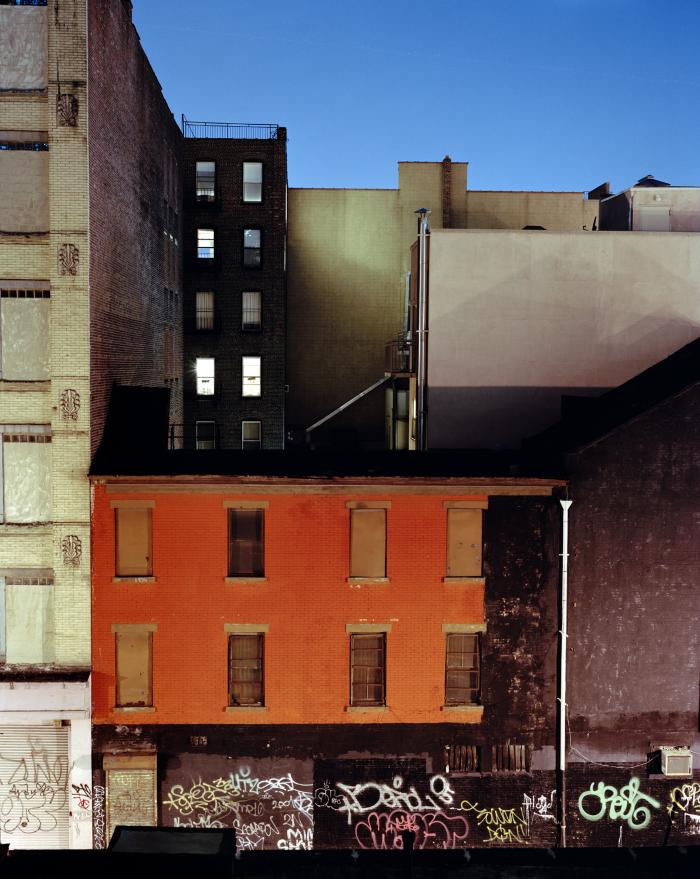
<point>367,581</point>
<point>245,579</point>
<point>235,709</point>
<point>474,581</point>
<point>133,579</point>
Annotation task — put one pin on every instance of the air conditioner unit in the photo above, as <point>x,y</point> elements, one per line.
<point>676,762</point>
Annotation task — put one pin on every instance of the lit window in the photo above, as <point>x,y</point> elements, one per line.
<point>368,669</point>
<point>205,376</point>
<point>251,435</point>
<point>252,181</point>
<point>245,676</point>
<point>204,311</point>
<point>462,669</point>
<point>206,181</point>
<point>205,243</point>
<point>252,251</point>
<point>251,317</point>
<point>205,434</point>
<point>251,377</point>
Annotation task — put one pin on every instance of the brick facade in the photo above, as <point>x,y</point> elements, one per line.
<point>224,276</point>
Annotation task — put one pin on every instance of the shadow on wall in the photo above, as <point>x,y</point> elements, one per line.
<point>494,418</point>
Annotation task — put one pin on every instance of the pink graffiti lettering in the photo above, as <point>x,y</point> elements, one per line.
<point>433,830</point>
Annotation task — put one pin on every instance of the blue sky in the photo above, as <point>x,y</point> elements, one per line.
<point>534,94</point>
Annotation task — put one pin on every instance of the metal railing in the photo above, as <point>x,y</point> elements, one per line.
<point>236,130</point>
<point>399,355</point>
<point>203,437</point>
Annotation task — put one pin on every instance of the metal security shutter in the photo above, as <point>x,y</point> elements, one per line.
<point>34,789</point>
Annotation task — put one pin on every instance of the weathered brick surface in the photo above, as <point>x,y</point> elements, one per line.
<point>227,279</point>
<point>135,216</point>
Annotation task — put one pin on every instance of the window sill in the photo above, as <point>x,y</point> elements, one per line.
<point>474,712</point>
<point>360,581</point>
<point>476,581</point>
<point>23,384</point>
<point>245,579</point>
<point>134,709</point>
<point>364,709</point>
<point>133,579</point>
<point>234,709</point>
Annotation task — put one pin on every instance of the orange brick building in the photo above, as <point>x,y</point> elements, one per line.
<point>262,640</point>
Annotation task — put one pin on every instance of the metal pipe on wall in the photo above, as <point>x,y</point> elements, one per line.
<point>563,635</point>
<point>421,433</point>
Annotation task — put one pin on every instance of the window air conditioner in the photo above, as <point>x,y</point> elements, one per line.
<point>676,762</point>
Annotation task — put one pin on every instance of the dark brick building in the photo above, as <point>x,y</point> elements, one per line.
<point>235,188</point>
<point>633,756</point>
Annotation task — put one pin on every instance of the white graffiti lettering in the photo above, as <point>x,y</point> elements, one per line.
<point>360,799</point>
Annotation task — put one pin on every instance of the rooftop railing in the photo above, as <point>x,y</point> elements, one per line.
<point>238,130</point>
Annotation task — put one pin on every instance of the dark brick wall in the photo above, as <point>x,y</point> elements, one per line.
<point>227,279</point>
<point>634,646</point>
<point>135,216</point>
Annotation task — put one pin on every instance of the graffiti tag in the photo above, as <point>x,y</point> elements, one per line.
<point>432,830</point>
<point>686,800</point>
<point>360,799</point>
<point>626,804</point>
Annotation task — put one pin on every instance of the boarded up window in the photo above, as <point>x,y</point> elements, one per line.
<point>462,669</point>
<point>134,667</point>
<point>246,669</point>
<point>133,542</point>
<point>29,619</point>
<point>25,467</point>
<point>368,543</point>
<point>463,758</point>
<point>246,544</point>
<point>24,335</point>
<point>464,543</point>
<point>23,48</point>
<point>367,669</point>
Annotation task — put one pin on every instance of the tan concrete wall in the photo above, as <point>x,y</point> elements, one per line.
<point>24,184</point>
<point>559,211</point>
<point>344,298</point>
<point>684,205</point>
<point>23,60</point>
<point>518,318</point>
<point>348,252</point>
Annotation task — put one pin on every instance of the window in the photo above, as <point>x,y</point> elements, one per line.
<point>24,334</point>
<point>27,621</point>
<point>463,669</point>
<point>367,669</point>
<point>205,243</point>
<point>133,538</point>
<point>206,181</point>
<point>204,311</point>
<point>252,181</point>
<point>205,376</point>
<point>25,473</point>
<point>251,435</point>
<point>252,248</point>
<point>251,386</point>
<point>246,543</point>
<point>508,758</point>
<point>368,541</point>
<point>205,434</point>
<point>251,316</point>
<point>245,675</point>
<point>464,539</point>
<point>134,665</point>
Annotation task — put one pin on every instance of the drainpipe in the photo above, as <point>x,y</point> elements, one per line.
<point>421,437</point>
<point>561,746</point>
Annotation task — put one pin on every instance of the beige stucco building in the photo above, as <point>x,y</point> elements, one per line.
<point>348,255</point>
<point>77,313</point>
<point>518,319</point>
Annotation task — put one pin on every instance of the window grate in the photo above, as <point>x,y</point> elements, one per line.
<point>463,758</point>
<point>24,294</point>
<point>509,758</point>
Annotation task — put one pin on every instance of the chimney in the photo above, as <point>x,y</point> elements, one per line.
<point>446,192</point>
